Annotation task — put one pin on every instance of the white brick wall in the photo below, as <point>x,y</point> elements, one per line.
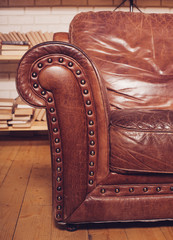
<point>52,19</point>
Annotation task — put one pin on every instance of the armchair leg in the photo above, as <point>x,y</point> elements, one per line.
<point>71,227</point>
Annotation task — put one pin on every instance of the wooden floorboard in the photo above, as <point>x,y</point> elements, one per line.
<point>26,204</point>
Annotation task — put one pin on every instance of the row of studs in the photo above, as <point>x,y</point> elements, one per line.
<point>91,121</point>
<point>132,189</point>
<point>56,136</point>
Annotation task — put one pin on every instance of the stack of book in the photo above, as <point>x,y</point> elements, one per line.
<point>31,37</point>
<point>6,109</point>
<point>22,115</point>
<point>13,47</point>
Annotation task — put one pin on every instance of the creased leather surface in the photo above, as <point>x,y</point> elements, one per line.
<point>142,141</point>
<point>133,52</point>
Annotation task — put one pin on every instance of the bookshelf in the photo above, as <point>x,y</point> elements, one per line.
<point>10,58</point>
<point>16,42</point>
<point>36,126</point>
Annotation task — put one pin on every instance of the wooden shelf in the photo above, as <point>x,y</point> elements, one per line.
<point>10,58</point>
<point>36,126</point>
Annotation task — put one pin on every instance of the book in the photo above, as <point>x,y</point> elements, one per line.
<point>3,124</point>
<point>6,102</point>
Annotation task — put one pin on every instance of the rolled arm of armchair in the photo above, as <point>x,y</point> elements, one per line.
<point>62,79</point>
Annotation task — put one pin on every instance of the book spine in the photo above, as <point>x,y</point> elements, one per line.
<point>14,42</point>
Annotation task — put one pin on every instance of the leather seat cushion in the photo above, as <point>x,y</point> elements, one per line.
<point>141,141</point>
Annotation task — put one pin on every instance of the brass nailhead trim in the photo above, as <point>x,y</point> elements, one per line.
<point>40,65</point>
<point>58,216</point>
<point>35,85</point>
<point>55,129</point>
<point>158,189</point>
<point>78,72</point>
<point>91,182</point>
<point>70,64</point>
<point>34,74</point>
<point>59,169</point>
<point>91,132</point>
<point>58,150</point>
<point>92,153</point>
<point>58,179</point>
<point>56,140</point>
<point>82,81</point>
<point>49,60</point>
<point>91,173</point>
<point>145,189</point>
<point>85,91</point>
<point>131,189</point>
<point>52,109</point>
<point>61,60</point>
<point>102,190</point>
<point>59,207</point>
<point>89,112</point>
<point>53,119</point>
<point>171,188</point>
<point>58,160</point>
<point>117,190</point>
<point>50,99</point>
<point>92,142</point>
<point>91,163</point>
<point>58,189</point>
<point>88,102</point>
<point>59,198</point>
<point>43,92</point>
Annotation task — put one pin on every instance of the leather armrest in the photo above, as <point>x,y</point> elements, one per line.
<point>61,78</point>
<point>61,36</point>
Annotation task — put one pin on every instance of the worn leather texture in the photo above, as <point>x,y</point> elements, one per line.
<point>133,53</point>
<point>135,137</point>
<point>109,102</point>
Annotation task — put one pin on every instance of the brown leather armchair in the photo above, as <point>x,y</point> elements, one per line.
<point>107,86</point>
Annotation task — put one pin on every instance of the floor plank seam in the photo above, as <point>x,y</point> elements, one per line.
<point>22,203</point>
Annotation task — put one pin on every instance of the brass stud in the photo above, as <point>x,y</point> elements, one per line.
<point>58,179</point>
<point>58,150</point>
<point>91,164</point>
<point>52,109</point>
<point>59,169</point>
<point>78,72</point>
<point>171,188</point>
<point>91,122</point>
<point>43,92</point>
<point>158,189</point>
<point>55,129</point>
<point>85,91</point>
<point>53,119</point>
<point>59,198</point>
<point>56,140</point>
<point>145,189</point>
<point>58,216</point>
<point>58,207</point>
<point>40,65</point>
<point>117,190</point>
<point>70,64</point>
<point>91,132</point>
<point>34,74</point>
<point>82,81</point>
<point>49,60</point>
<point>89,112</point>
<point>58,160</point>
<point>35,85</point>
<point>88,102</point>
<point>92,153</point>
<point>102,190</point>
<point>50,99</point>
<point>58,189</point>
<point>91,173</point>
<point>90,182</point>
<point>92,142</point>
<point>60,60</point>
<point>131,189</point>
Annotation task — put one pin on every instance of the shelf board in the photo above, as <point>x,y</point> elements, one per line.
<point>36,126</point>
<point>10,57</point>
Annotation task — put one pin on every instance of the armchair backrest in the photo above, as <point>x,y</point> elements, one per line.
<point>133,53</point>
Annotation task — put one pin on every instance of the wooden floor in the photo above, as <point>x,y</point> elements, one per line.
<point>25,200</point>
